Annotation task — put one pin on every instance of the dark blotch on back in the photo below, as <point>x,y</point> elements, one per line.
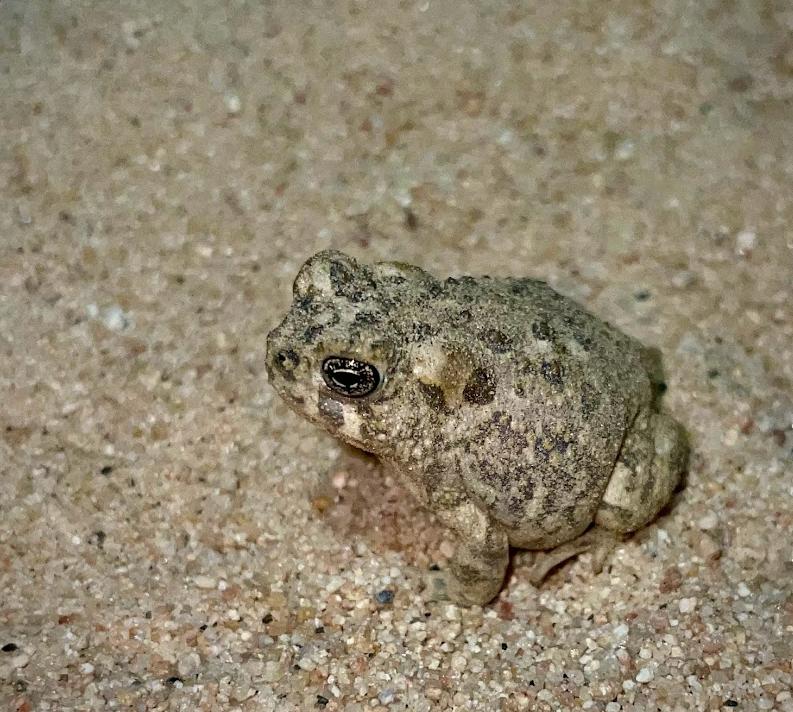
<point>422,331</point>
<point>481,387</point>
<point>434,396</point>
<point>553,372</point>
<point>434,289</point>
<point>348,285</point>
<point>331,410</point>
<point>461,318</point>
<point>308,304</point>
<point>542,330</point>
<point>496,340</point>
<point>542,449</point>
<point>525,486</point>
<point>365,318</point>
<point>590,399</point>
<point>311,334</point>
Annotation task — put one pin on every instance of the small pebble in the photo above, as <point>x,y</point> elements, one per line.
<point>386,697</point>
<point>645,675</point>
<point>687,605</point>
<point>459,662</point>
<point>683,279</point>
<point>188,664</point>
<point>115,319</point>
<point>624,149</point>
<point>745,242</point>
<point>233,104</point>
<point>205,582</point>
<point>385,596</point>
<point>708,521</point>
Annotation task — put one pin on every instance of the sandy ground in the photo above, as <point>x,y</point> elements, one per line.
<point>173,538</point>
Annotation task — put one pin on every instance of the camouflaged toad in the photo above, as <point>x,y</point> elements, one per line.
<point>513,414</point>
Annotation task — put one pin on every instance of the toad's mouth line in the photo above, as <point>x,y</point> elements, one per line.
<point>297,405</point>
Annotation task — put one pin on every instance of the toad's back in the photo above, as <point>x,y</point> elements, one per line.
<point>545,409</point>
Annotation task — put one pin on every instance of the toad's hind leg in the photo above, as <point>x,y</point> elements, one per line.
<point>647,472</point>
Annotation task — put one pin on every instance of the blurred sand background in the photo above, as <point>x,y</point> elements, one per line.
<point>173,538</point>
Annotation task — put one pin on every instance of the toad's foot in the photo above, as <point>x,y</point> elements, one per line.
<point>600,542</point>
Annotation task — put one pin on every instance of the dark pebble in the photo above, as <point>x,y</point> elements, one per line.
<point>9,647</point>
<point>385,596</point>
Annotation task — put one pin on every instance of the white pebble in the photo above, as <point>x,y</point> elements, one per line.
<point>339,479</point>
<point>188,664</point>
<point>708,521</point>
<point>20,661</point>
<point>687,605</point>
<point>115,319</point>
<point>86,668</point>
<point>233,103</point>
<point>386,697</point>
<point>613,707</point>
<point>683,279</point>
<point>334,584</point>
<point>745,241</point>
<point>272,672</point>
<point>306,663</point>
<point>645,674</point>
<point>744,590</point>
<point>624,150</point>
<point>204,582</point>
<point>621,630</point>
<point>459,662</point>
<point>451,612</point>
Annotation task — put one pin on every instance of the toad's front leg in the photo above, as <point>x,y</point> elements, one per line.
<point>477,568</point>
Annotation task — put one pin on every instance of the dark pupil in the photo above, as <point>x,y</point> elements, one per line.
<point>349,376</point>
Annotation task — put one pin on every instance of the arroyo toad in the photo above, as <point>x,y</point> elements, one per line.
<point>513,414</point>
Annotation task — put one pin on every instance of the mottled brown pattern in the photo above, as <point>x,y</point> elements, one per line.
<point>504,404</point>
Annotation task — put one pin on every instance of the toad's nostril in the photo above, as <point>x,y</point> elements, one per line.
<point>287,359</point>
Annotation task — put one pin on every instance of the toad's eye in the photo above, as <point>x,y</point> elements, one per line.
<point>350,377</point>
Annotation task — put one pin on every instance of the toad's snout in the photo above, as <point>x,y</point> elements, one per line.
<point>281,359</point>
